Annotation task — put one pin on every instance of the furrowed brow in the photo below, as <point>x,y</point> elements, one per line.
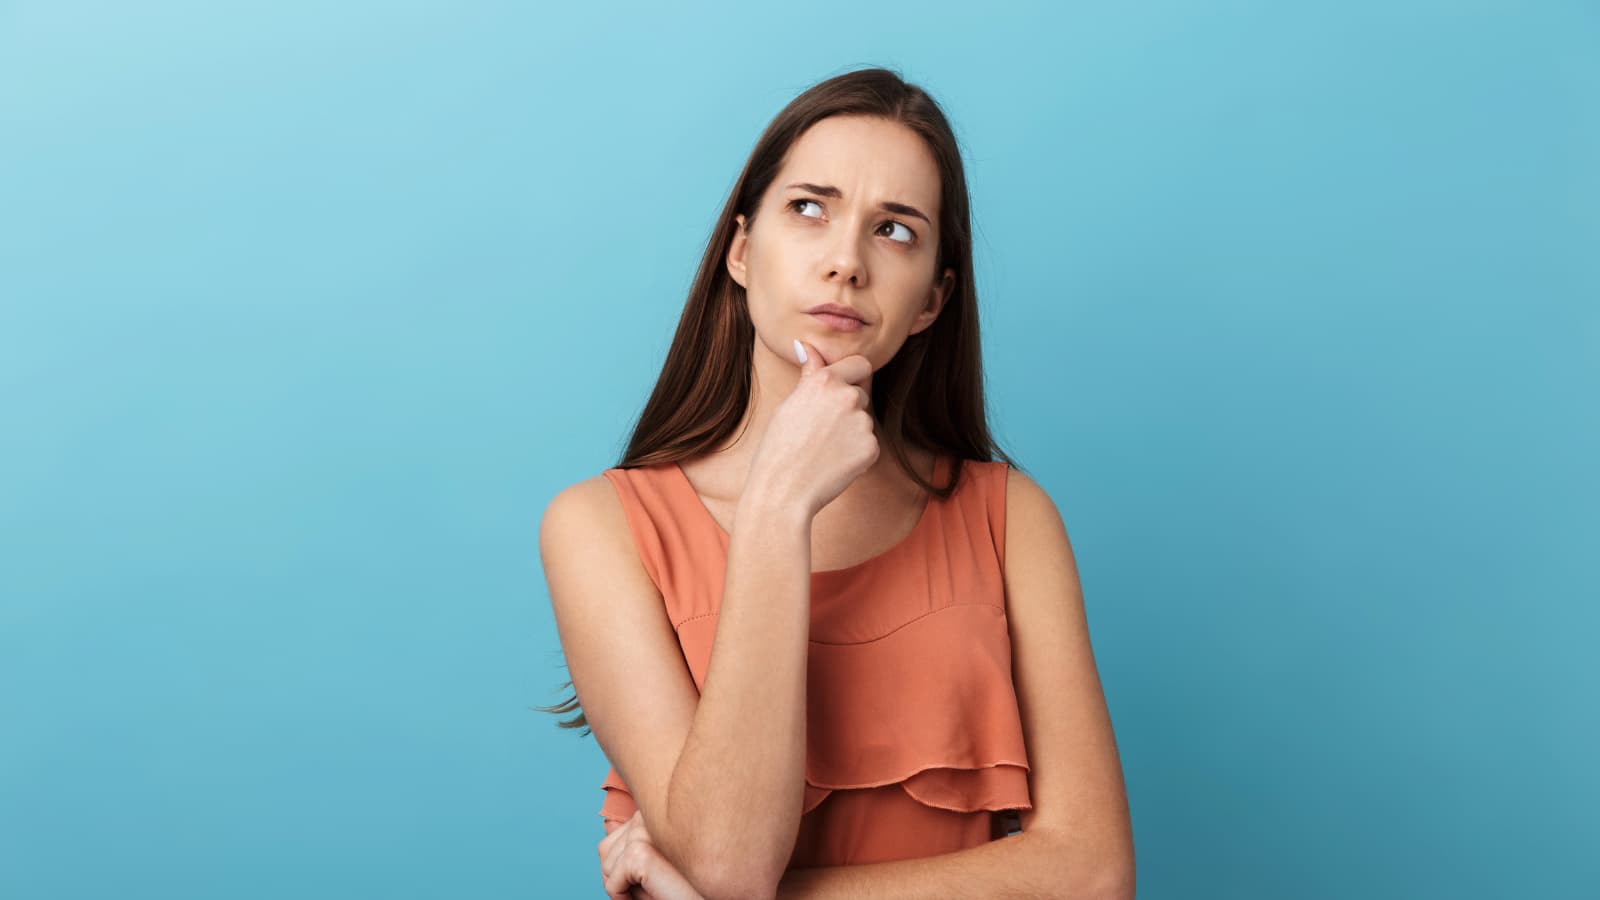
<point>828,190</point>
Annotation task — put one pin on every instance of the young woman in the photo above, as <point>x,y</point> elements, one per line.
<point>828,643</point>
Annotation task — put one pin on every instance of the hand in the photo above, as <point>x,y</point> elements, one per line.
<point>821,437</point>
<point>635,870</point>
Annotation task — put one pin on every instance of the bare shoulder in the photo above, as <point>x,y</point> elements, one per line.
<point>581,511</point>
<point>1075,778</point>
<point>1027,503</point>
<point>622,652</point>
<point>592,566</point>
<point>1041,570</point>
<point>1034,527</point>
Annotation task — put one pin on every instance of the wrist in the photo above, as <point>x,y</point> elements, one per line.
<point>770,506</point>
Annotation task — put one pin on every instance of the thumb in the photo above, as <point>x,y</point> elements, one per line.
<point>809,357</point>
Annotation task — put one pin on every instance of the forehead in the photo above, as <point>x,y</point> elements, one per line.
<point>867,156</point>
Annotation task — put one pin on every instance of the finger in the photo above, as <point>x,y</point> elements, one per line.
<point>614,879</point>
<point>608,855</point>
<point>627,892</point>
<point>609,876</point>
<point>627,868</point>
<point>612,829</point>
<point>662,880</point>
<point>852,369</point>
<point>808,356</point>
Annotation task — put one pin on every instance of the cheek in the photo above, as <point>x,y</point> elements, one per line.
<point>772,291</point>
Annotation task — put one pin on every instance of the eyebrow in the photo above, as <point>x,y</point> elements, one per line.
<point>828,190</point>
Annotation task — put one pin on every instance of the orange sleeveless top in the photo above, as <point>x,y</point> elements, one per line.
<point>914,741</point>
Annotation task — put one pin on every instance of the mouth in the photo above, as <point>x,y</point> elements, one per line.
<point>837,322</point>
<point>838,310</point>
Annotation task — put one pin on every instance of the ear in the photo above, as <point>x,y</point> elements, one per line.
<point>736,251</point>
<point>936,300</point>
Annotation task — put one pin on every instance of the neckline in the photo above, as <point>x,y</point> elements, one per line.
<point>922,519</point>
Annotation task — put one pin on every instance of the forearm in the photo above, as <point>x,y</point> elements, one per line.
<point>736,792</point>
<point>1027,866</point>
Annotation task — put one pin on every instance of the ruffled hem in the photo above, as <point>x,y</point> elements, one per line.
<point>619,805</point>
<point>929,706</point>
<point>879,711</point>
<point>959,788</point>
<point>996,787</point>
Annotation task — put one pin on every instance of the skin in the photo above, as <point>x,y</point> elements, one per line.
<point>803,248</point>
<point>843,250</point>
<point>1077,839</point>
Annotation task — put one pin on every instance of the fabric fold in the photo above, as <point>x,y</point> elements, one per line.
<point>930,706</point>
<point>912,720</point>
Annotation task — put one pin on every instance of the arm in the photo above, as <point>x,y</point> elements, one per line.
<point>1027,866</point>
<point>746,751</point>
<point>1077,840</point>
<point>697,766</point>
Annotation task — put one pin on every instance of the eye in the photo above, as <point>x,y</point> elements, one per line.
<point>910,235</point>
<point>910,238</point>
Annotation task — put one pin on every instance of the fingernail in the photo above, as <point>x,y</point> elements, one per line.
<point>799,351</point>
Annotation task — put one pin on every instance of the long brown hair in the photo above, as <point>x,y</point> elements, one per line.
<point>704,386</point>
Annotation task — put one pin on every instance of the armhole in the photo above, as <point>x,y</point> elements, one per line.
<point>646,542</point>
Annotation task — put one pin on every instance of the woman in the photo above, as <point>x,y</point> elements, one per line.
<point>846,667</point>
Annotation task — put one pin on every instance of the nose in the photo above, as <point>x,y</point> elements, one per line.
<point>845,263</point>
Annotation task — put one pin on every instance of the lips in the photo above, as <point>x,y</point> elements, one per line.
<point>838,322</point>
<point>837,309</point>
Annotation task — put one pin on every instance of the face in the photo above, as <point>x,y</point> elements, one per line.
<point>851,218</point>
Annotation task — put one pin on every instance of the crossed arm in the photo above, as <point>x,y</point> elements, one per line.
<point>1026,866</point>
<point>1077,840</point>
<point>1030,865</point>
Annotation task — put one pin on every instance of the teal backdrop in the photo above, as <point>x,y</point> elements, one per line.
<point>308,309</point>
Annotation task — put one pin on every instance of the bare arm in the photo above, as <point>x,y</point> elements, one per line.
<point>740,782</point>
<point>719,776</point>
<point>1077,839</point>
<point>1029,866</point>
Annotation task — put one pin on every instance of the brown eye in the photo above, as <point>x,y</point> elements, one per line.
<point>910,235</point>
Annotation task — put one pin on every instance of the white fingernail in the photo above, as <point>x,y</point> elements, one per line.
<point>799,351</point>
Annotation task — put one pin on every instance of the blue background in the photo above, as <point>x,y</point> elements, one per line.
<point>306,311</point>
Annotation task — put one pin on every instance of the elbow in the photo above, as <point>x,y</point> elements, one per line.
<point>717,880</point>
<point>1083,874</point>
<point>1115,884</point>
<point>734,863</point>
<point>728,872</point>
<point>728,884</point>
<point>1120,889</point>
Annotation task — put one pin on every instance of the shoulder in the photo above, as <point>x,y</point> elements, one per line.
<point>586,518</point>
<point>1035,534</point>
<point>596,575</point>
<point>577,505</point>
<point>1075,781</point>
<point>1026,501</point>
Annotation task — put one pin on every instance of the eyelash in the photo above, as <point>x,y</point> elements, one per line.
<point>794,204</point>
